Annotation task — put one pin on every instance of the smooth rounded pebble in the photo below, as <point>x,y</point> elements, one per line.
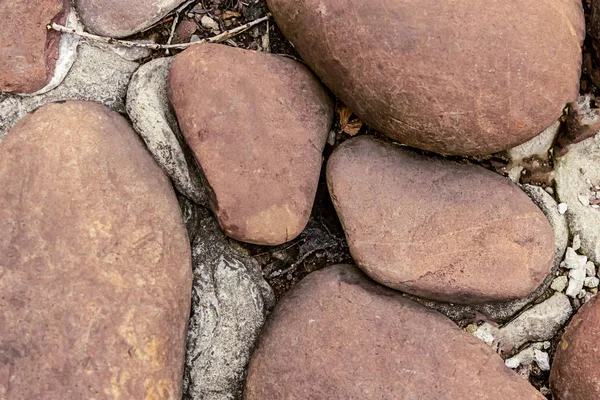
<point>118,18</point>
<point>339,335</point>
<point>435,228</point>
<point>454,77</point>
<point>95,274</point>
<point>257,124</point>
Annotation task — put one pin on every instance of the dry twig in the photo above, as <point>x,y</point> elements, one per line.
<point>155,46</point>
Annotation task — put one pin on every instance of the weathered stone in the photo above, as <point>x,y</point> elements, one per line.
<point>28,51</point>
<point>577,175</point>
<point>117,18</point>
<point>97,75</point>
<point>540,322</point>
<point>338,335</point>
<point>95,261</point>
<point>229,305</point>
<point>150,112</point>
<point>401,65</point>
<point>438,229</point>
<point>575,374</point>
<point>257,124</point>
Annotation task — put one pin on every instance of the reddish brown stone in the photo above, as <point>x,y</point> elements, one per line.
<point>435,228</point>
<point>456,77</point>
<point>257,124</point>
<point>118,18</point>
<point>28,51</point>
<point>95,274</point>
<point>575,374</point>
<point>338,335</point>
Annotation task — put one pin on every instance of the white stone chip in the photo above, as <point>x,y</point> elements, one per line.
<point>542,359</point>
<point>576,242</point>
<point>590,268</point>
<point>576,280</point>
<point>562,208</point>
<point>209,23</point>
<point>591,282</point>
<point>584,200</point>
<point>560,283</point>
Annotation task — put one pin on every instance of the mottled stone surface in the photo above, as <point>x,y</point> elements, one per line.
<point>575,374</point>
<point>152,117</point>
<point>257,124</point>
<point>117,18</point>
<point>339,335</point>
<point>94,261</point>
<point>435,228</point>
<point>230,302</point>
<point>29,51</point>
<point>467,77</point>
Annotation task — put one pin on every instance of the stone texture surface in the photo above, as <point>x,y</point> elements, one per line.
<point>150,112</point>
<point>118,18</point>
<point>229,305</point>
<point>95,261</point>
<point>97,75</point>
<point>338,335</point>
<point>452,77</point>
<point>438,229</point>
<point>577,176</point>
<point>29,51</point>
<point>502,311</point>
<point>257,124</point>
<point>575,374</point>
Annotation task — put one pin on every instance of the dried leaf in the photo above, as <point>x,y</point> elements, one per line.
<point>345,114</point>
<point>353,127</point>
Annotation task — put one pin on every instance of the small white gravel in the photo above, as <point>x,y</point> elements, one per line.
<point>576,242</point>
<point>590,269</point>
<point>542,359</point>
<point>562,208</point>
<point>576,281</point>
<point>584,200</point>
<point>591,282</point>
<point>560,283</point>
<point>209,23</point>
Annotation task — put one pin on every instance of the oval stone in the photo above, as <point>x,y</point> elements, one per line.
<point>435,228</point>
<point>95,274</point>
<point>257,124</point>
<point>338,335</point>
<point>455,77</point>
<point>575,374</point>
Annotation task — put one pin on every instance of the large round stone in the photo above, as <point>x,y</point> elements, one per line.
<point>338,335</point>
<point>95,274</point>
<point>257,124</point>
<point>456,77</point>
<point>435,228</point>
<point>575,374</point>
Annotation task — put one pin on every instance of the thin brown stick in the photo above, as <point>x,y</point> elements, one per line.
<point>155,46</point>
